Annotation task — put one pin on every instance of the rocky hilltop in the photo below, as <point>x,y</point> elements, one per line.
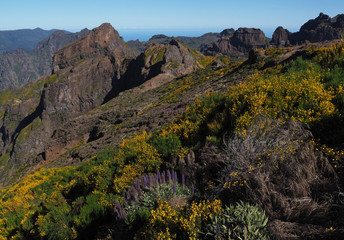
<point>239,44</point>
<point>20,67</point>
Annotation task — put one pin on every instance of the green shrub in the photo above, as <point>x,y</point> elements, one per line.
<point>242,221</point>
<point>166,144</point>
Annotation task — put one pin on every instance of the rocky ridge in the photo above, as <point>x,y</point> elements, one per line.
<point>322,28</point>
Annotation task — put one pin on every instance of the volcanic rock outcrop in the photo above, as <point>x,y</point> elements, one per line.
<point>280,37</point>
<point>239,45</point>
<point>319,29</point>
<point>86,71</point>
<point>159,63</point>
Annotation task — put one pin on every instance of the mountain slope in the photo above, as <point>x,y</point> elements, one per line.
<point>181,125</point>
<point>170,143</point>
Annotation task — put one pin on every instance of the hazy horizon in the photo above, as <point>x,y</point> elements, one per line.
<point>141,17</point>
<point>146,34</point>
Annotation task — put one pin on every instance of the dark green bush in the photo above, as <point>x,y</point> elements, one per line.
<point>242,221</point>
<point>166,144</point>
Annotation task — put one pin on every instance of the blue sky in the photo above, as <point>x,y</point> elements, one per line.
<point>187,17</point>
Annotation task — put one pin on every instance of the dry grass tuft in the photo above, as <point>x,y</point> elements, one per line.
<point>280,170</point>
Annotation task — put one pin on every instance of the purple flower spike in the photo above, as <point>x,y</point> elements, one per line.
<point>163,177</point>
<point>169,175</point>
<point>159,176</point>
<point>150,180</point>
<point>192,189</point>
<point>145,182</point>
<point>156,179</point>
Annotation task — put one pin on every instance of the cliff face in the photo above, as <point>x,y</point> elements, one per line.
<point>20,67</point>
<point>87,70</point>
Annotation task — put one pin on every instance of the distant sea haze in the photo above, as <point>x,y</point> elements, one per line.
<point>146,34</point>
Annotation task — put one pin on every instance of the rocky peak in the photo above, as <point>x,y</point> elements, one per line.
<point>312,24</point>
<point>280,37</point>
<point>179,60</point>
<point>100,39</point>
<point>249,37</point>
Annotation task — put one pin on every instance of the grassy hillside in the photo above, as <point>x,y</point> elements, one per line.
<point>259,156</point>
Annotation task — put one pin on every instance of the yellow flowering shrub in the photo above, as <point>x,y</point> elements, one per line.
<point>181,223</point>
<point>298,95</point>
<point>134,157</point>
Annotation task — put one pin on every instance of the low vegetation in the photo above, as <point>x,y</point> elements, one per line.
<point>280,165</point>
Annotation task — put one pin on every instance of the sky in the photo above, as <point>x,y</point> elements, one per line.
<point>137,18</point>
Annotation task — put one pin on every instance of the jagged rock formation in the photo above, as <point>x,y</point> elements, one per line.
<point>197,43</point>
<point>84,72</point>
<point>20,67</point>
<point>319,29</point>
<point>239,45</point>
<point>280,37</point>
<point>165,61</point>
<point>87,73</point>
<point>87,70</point>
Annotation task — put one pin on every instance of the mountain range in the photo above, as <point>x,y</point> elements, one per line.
<point>26,64</point>
<point>169,137</point>
<point>26,39</point>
